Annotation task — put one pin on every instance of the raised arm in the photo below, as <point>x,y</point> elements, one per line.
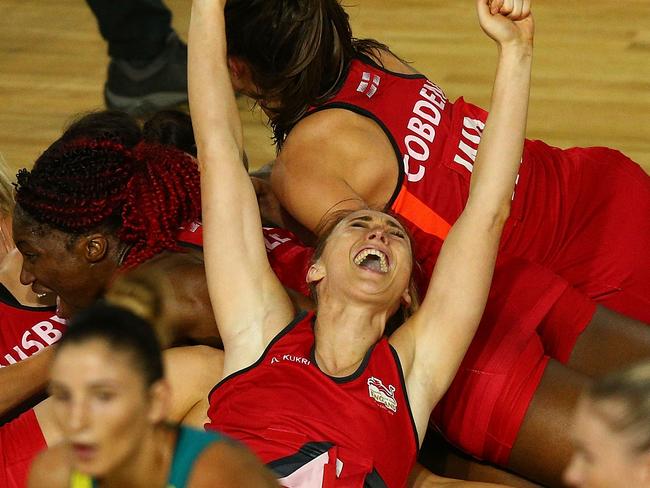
<point>249,303</point>
<point>433,342</point>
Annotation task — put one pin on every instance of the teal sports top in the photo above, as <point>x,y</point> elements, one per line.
<point>189,446</point>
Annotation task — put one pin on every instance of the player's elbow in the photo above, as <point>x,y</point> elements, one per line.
<point>489,217</point>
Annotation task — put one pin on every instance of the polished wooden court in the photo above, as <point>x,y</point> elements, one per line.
<point>591,75</point>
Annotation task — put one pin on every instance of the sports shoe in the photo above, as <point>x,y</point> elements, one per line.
<point>141,88</point>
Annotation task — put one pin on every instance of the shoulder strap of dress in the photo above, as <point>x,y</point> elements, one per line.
<point>189,446</point>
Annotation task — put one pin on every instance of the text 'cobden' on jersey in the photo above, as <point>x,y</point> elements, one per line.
<point>427,113</point>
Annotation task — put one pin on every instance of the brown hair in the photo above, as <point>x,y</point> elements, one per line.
<point>630,388</point>
<point>328,226</point>
<point>297,50</point>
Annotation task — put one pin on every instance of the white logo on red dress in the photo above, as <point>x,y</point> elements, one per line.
<point>291,358</point>
<point>368,87</point>
<point>382,394</point>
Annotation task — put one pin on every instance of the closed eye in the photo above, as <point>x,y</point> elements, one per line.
<point>29,256</point>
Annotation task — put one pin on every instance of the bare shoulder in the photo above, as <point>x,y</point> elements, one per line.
<point>338,155</point>
<point>229,465</point>
<point>169,261</point>
<point>179,277</point>
<point>192,372</point>
<point>50,469</point>
<point>193,358</point>
<point>333,131</point>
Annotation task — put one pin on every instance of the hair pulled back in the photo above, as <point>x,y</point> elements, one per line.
<point>297,51</point>
<point>105,173</point>
<point>122,331</point>
<point>325,230</point>
<point>144,292</point>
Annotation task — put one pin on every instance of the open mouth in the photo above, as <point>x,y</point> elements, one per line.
<point>40,291</point>
<point>373,260</point>
<point>84,452</point>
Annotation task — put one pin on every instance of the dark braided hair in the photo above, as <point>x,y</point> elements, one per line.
<point>101,174</point>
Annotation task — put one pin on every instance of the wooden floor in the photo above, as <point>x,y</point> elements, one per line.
<point>591,76</point>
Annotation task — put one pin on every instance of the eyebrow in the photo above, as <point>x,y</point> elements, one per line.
<point>98,384</point>
<point>368,218</point>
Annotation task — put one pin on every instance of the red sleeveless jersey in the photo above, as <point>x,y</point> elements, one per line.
<point>435,141</point>
<point>288,257</point>
<point>191,233</point>
<point>25,330</point>
<point>314,430</point>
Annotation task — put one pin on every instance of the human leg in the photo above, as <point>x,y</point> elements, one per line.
<point>148,68</point>
<point>438,456</point>
<point>610,341</point>
<point>497,388</point>
<point>420,477</point>
<point>133,29</point>
<point>542,447</point>
<point>590,338</point>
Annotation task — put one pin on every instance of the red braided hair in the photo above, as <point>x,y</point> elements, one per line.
<point>142,194</point>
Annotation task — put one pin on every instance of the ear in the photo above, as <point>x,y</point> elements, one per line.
<point>240,73</point>
<point>316,273</point>
<point>406,297</point>
<point>94,247</point>
<point>160,394</point>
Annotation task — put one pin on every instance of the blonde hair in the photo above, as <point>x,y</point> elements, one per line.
<point>144,293</point>
<point>6,208</point>
<point>6,189</point>
<point>629,388</point>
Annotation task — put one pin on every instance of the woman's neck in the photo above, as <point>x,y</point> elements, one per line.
<point>149,466</point>
<point>343,334</point>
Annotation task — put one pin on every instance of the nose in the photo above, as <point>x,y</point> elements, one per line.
<point>77,417</point>
<point>378,233</point>
<point>26,277</point>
